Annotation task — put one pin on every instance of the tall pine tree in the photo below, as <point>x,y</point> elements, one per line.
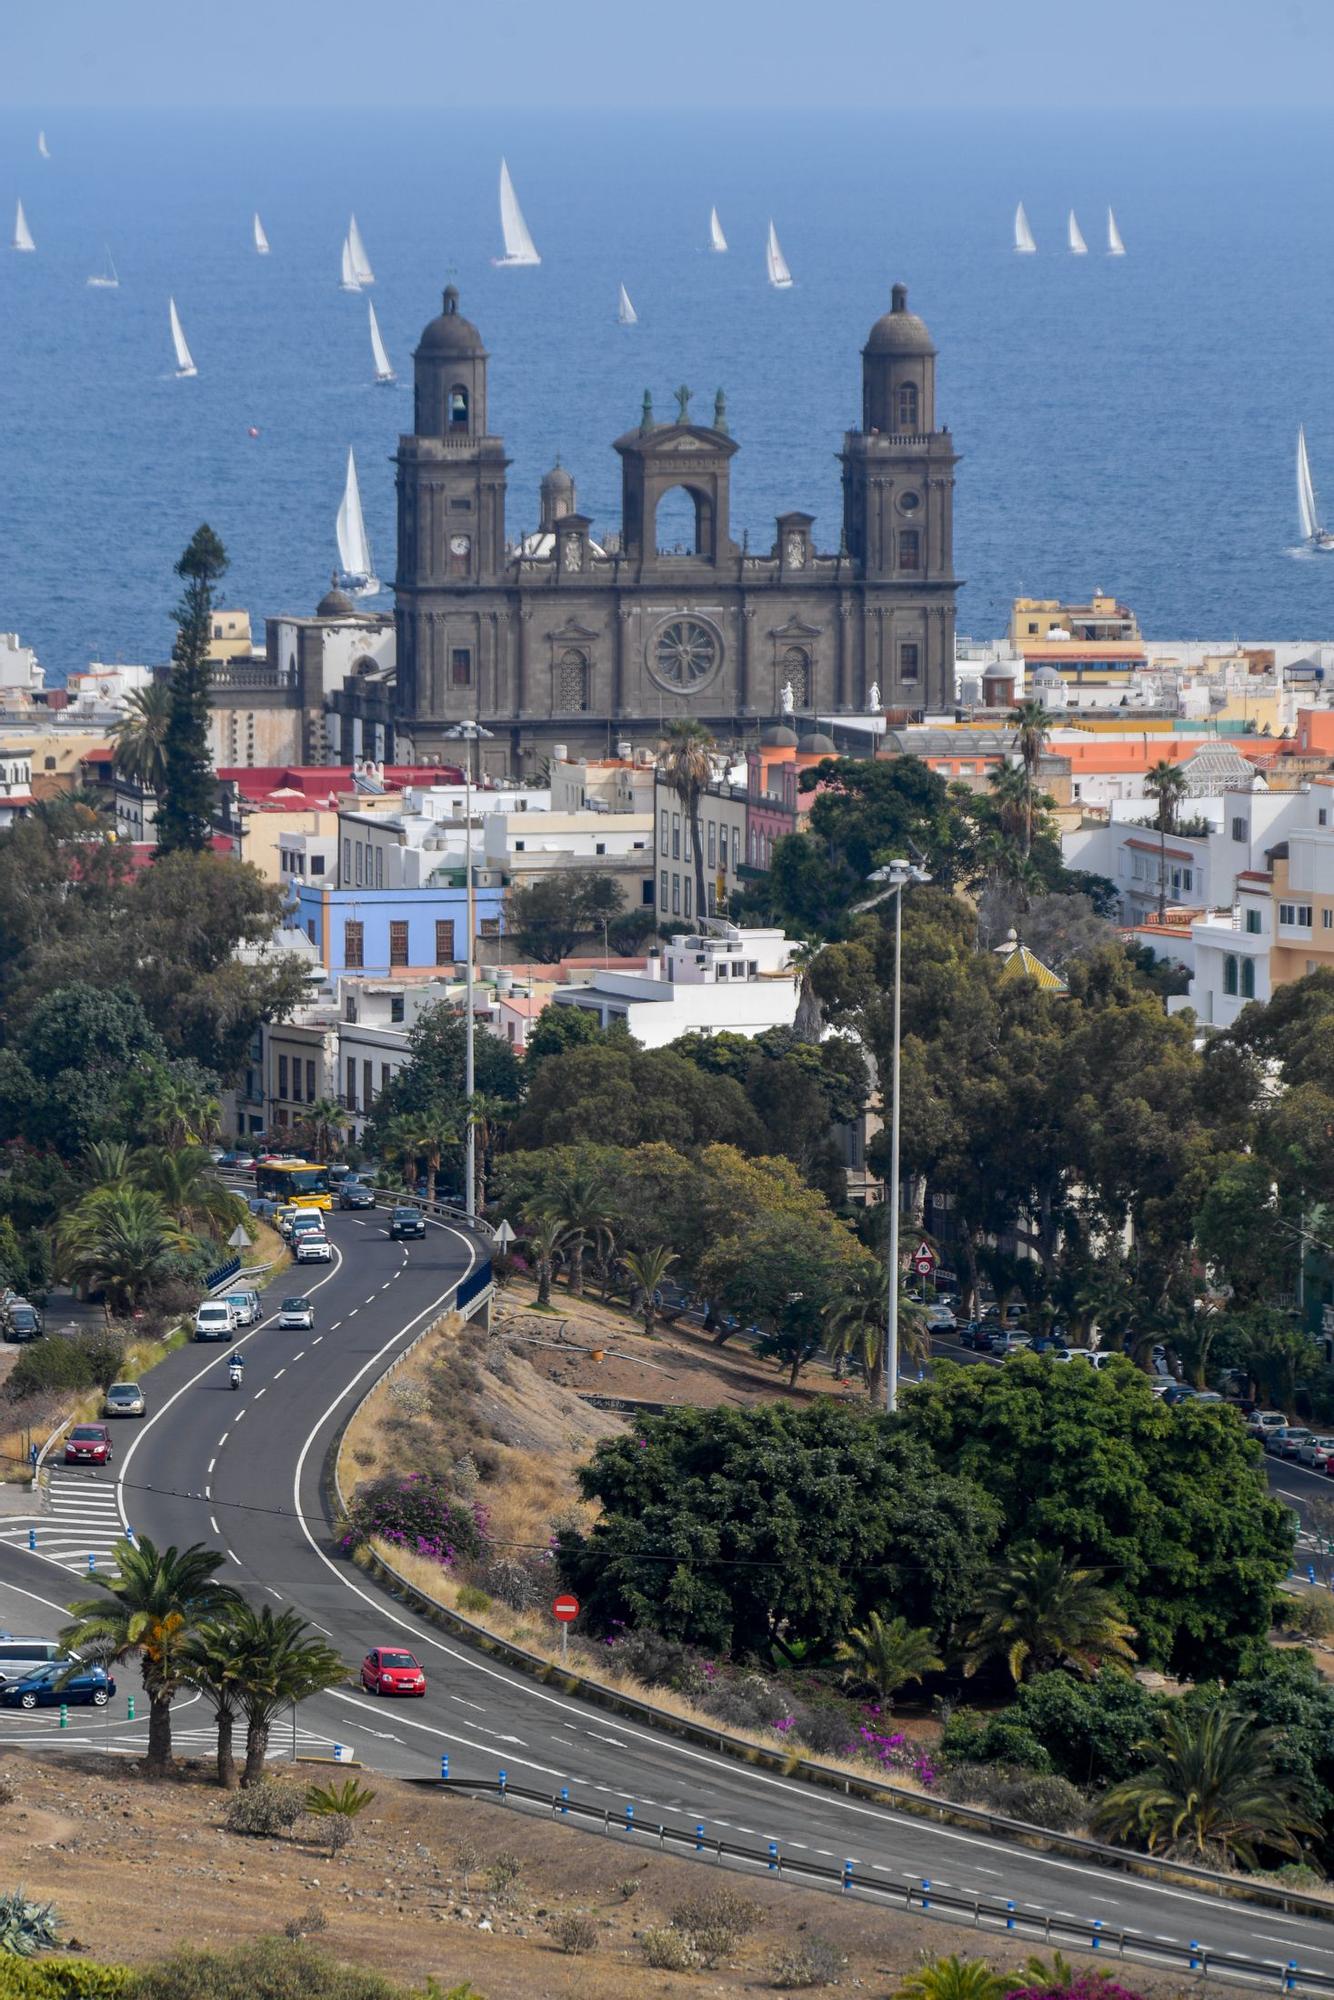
<point>189,789</point>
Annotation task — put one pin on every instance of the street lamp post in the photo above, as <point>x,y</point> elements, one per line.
<point>895,875</point>
<point>470,733</point>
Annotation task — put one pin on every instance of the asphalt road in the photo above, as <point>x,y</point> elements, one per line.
<point>241,1470</point>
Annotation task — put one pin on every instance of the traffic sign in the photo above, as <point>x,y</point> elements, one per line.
<point>565,1608</point>
<point>504,1234</point>
<point>924,1259</point>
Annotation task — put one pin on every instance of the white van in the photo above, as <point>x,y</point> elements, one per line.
<point>20,1657</point>
<point>215,1320</point>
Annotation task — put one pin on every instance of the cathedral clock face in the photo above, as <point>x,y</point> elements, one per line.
<point>909,502</point>
<point>459,545</point>
<point>683,654</point>
<point>796,552</point>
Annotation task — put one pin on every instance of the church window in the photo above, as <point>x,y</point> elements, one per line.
<point>794,671</point>
<point>905,407</point>
<point>910,657</point>
<point>571,690</point>
<point>460,666</point>
<point>910,549</point>
<point>458,405</point>
<point>684,654</point>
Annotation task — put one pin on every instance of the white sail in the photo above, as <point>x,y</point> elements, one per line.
<point>361,263</point>
<point>354,551</point>
<point>717,241</point>
<point>1306,507</point>
<point>779,275</point>
<point>350,281</point>
<point>1075,235</point>
<point>1024,241</point>
<point>1115,247</point>
<point>519,245</point>
<point>261,240</point>
<point>43,150</point>
<point>625,312</point>
<point>185,364</point>
<point>22,233</point>
<point>383,372</point>
<point>108,280</point>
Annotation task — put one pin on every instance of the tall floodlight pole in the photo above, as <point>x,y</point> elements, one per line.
<point>470,733</point>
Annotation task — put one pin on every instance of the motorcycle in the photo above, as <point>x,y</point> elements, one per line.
<point>235,1374</point>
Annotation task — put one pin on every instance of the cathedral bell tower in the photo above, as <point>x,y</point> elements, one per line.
<point>898,469</point>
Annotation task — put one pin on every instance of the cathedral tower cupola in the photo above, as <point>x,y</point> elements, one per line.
<point>899,373</point>
<point>557,497</point>
<point>450,376</point>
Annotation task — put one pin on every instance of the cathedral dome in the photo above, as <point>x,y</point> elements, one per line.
<point>817,744</point>
<point>335,603</point>
<point>450,333</point>
<point>899,331</point>
<point>778,737</point>
<point>557,482</point>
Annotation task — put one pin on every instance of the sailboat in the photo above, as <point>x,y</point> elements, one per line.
<point>1313,534</point>
<point>358,576</point>
<point>22,233</point>
<point>1023,236</point>
<point>261,240</point>
<point>1075,237</point>
<point>519,245</point>
<point>779,275</point>
<point>350,281</point>
<point>383,372</point>
<point>361,263</point>
<point>625,312</point>
<point>185,361</point>
<point>43,150</point>
<point>106,281</point>
<point>717,241</point>
<point>1115,247</point>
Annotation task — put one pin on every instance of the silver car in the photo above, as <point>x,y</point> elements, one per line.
<point>124,1399</point>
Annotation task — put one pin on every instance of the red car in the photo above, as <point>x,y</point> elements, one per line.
<point>389,1670</point>
<point>88,1444</point>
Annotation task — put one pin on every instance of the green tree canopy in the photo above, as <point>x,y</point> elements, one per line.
<point>547,918</point>
<point>430,1084</point>
<point>189,788</point>
<point>617,1092</point>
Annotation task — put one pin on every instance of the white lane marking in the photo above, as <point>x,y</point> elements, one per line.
<point>274,1593</point>
<point>50,1604</point>
<point>355,1310</point>
<point>319,1337</point>
<point>223,1439</point>
<point>258,1394</point>
<point>239,1415</point>
<point>279,1376</point>
<point>297,1356</point>
<point>212,1462</point>
<point>236,1559</point>
<point>213,1523</point>
<point>371,1300</point>
<point>448,1735</point>
<point>208,1492</point>
<point>478,1705</point>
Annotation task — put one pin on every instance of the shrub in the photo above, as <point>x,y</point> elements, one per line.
<point>749,1702</point>
<point>810,1961</point>
<point>307,1924</point>
<point>1043,1800</point>
<point>715,1923</point>
<point>575,1932</point>
<point>9,1791</point>
<point>667,1950</point>
<point>62,1979</point>
<point>27,1927</point>
<point>270,1807</point>
<point>660,1662</point>
<point>969,1738</point>
<point>519,1584</point>
<point>339,1806</point>
<point>1310,1616</point>
<point>271,1969</point>
<point>503,1873</point>
<point>470,1598</point>
<point>826,1731</point>
<point>418,1513</point>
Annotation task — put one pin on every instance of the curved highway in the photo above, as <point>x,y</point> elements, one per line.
<point>242,1471</point>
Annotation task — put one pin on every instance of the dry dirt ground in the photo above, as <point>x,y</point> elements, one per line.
<point>136,1869</point>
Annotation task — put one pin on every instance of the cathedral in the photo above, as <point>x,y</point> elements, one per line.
<point>562,638</point>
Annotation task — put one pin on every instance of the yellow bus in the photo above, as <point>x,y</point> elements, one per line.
<point>300,1182</point>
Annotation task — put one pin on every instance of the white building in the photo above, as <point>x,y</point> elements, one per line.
<point>97,688</point>
<point>732,981</point>
<point>20,672</point>
<point>1231,952</point>
<point>15,784</point>
<point>1199,869</point>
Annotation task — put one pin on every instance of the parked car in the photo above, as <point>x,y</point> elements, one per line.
<point>46,1687</point>
<point>1016,1310</point>
<point>1044,1343</point>
<point>1294,1437</point>
<point>297,1312</point>
<point>124,1399</point>
<point>1010,1343</point>
<point>1179,1392</point>
<point>215,1320</point>
<point>23,1321</point>
<point>1274,1438</point>
<point>406,1222</point>
<point>356,1194</point>
<point>88,1444</point>
<point>21,1656</point>
<point>313,1247</point>
<point>1318,1453</point>
<point>1265,1421</point>
<point>390,1670</point>
<point>1074,1354</point>
<point>245,1304</point>
<point>940,1319</point>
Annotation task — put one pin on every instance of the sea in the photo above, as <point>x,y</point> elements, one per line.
<point>1126,424</point>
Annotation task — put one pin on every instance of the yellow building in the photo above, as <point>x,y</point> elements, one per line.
<point>1101,620</point>
<point>231,638</point>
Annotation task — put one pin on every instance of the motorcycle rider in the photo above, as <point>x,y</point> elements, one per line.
<point>236,1370</point>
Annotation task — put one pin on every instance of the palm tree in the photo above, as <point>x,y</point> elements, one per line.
<point>138,740</point>
<point>647,1269</point>
<point>581,1200</point>
<point>1032,727</point>
<point>857,1316</point>
<point>186,1182</point>
<point>149,1610</point>
<point>1212,1790</point>
<point>210,1662</point>
<point>1167,784</point>
<point>106,1163</point>
<point>488,1117</point>
<point>686,761</point>
<point>1037,1609</point>
<point>181,1112</point>
<point>543,1246</point>
<point>955,1978</point>
<point>122,1240</point>
<point>1012,789</point>
<point>277,1663</point>
<point>888,1656</point>
<point>321,1125</point>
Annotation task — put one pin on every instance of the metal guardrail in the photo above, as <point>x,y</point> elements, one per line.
<point>999,1914</point>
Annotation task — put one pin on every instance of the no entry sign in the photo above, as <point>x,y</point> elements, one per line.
<point>565,1608</point>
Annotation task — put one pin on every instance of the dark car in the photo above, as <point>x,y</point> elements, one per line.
<point>89,1687</point>
<point>355,1194</point>
<point>407,1222</point>
<point>1045,1343</point>
<point>23,1321</point>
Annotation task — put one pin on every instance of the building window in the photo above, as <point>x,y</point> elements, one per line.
<point>347,862</point>
<point>460,667</point>
<point>368,1084</point>
<point>1254,922</point>
<point>296,1079</point>
<point>736,849</point>
<point>910,549</point>
<point>379,868</point>
<point>385,1074</point>
<point>570,694</point>
<point>794,671</point>
<point>1238,828</point>
<point>396,1007</point>
<point>1248,979</point>
<point>676,895</point>
<point>905,407</point>
<point>282,1076</point>
<point>398,944</point>
<point>444,941</point>
<point>662,893</point>
<point>1229,974</point>
<point>351,1084</point>
<point>1296,914</point>
<point>357,853</point>
<point>489,927</point>
<point>354,945</point>
<point>687,896</point>
<point>909,662</point>
<point>676,836</point>
<point>1322,817</point>
<point>713,844</point>
<point>310,1082</point>
<point>1326,920</point>
<point>310,929</point>
<point>665,842</point>
<point>458,406</point>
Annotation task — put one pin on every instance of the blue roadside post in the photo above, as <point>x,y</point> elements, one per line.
<point>444,1768</point>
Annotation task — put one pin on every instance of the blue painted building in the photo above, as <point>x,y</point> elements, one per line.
<point>395,930</point>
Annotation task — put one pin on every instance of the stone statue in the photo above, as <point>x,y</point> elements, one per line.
<point>683,396</point>
<point>720,413</point>
<point>789,699</point>
<point>646,418</point>
<point>874,698</point>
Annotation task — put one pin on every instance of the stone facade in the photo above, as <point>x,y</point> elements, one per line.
<point>565,639</point>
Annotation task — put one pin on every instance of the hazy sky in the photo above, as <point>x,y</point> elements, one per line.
<point>1034,55</point>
